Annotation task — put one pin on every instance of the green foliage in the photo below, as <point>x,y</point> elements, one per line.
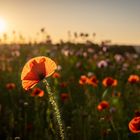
<point>30,118</point>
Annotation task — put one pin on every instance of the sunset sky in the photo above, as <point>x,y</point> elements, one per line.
<point>117,20</point>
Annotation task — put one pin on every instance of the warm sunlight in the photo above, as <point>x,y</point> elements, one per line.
<point>2,25</point>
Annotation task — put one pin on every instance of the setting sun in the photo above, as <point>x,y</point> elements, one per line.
<point>2,25</point>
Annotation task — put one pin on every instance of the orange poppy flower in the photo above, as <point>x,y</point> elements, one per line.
<point>93,81</point>
<point>56,75</point>
<point>133,79</point>
<point>35,70</point>
<point>10,86</point>
<point>134,125</point>
<point>37,92</point>
<point>102,105</point>
<point>83,80</point>
<point>109,81</point>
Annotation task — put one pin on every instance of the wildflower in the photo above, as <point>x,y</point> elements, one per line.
<point>109,81</point>
<point>64,97</point>
<point>59,67</point>
<point>37,92</point>
<point>65,52</point>
<point>26,103</point>
<point>134,125</point>
<point>102,64</point>
<point>104,49</point>
<point>90,50</point>
<point>85,54</point>
<point>15,53</point>
<point>93,81</point>
<point>90,74</point>
<point>135,56</point>
<point>102,105</point>
<point>125,66</point>
<point>36,70</point>
<point>56,75</point>
<point>118,58</point>
<point>10,86</point>
<point>17,138</point>
<point>133,79</point>
<point>79,65</point>
<point>83,80</point>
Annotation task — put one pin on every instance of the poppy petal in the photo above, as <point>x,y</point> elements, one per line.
<point>134,125</point>
<point>50,66</point>
<point>35,70</point>
<point>27,84</point>
<point>32,69</point>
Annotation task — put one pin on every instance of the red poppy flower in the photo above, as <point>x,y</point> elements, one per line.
<point>83,80</point>
<point>10,86</point>
<point>37,92</point>
<point>133,79</point>
<point>102,105</point>
<point>93,81</point>
<point>134,125</point>
<point>109,81</point>
<point>36,70</point>
<point>56,75</point>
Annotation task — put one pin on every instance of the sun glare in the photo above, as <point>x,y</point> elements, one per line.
<point>2,25</point>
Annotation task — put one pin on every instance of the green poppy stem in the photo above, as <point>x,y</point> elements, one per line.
<point>105,93</point>
<point>56,109</point>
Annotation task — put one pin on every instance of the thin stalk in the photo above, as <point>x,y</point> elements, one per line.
<point>56,109</point>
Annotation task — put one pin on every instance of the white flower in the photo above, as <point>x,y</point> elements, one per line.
<point>119,58</point>
<point>102,64</point>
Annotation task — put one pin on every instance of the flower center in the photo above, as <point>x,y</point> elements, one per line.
<point>110,82</point>
<point>134,80</point>
<point>94,80</point>
<point>41,76</point>
<point>36,92</point>
<point>137,125</point>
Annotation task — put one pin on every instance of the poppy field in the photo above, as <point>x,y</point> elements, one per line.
<point>69,91</point>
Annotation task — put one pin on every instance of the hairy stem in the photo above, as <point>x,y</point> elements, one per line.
<point>56,109</point>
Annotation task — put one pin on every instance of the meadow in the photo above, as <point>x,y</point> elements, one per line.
<point>97,89</point>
